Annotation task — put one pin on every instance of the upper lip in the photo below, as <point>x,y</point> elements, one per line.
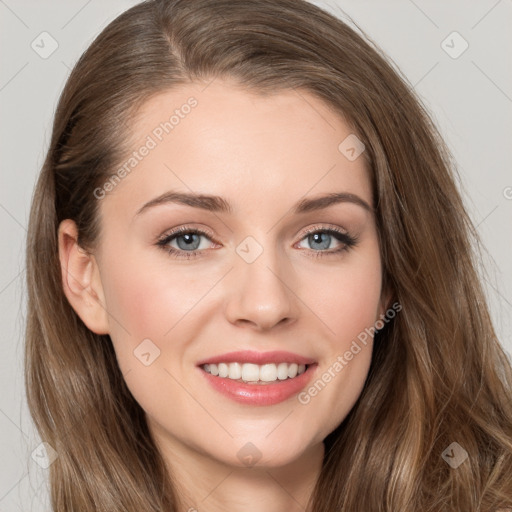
<point>259,358</point>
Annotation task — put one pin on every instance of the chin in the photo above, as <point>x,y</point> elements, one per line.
<point>263,453</point>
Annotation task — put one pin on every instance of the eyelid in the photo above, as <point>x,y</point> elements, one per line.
<point>324,227</point>
<point>187,229</point>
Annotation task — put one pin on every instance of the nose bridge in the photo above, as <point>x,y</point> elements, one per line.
<point>261,284</point>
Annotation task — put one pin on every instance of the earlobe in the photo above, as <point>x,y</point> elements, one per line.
<point>81,280</point>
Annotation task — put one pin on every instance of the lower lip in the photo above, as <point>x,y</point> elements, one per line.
<point>260,394</point>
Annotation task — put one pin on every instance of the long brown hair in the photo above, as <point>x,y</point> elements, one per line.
<point>438,374</point>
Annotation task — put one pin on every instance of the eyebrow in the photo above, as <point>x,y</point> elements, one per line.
<point>218,204</point>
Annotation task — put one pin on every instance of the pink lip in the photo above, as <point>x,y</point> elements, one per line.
<point>259,394</point>
<point>250,356</point>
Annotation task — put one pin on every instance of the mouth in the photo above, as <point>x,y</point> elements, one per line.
<point>258,378</point>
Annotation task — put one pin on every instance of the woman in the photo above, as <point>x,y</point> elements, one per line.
<point>324,345</point>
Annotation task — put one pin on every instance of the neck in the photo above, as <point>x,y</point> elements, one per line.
<point>205,483</point>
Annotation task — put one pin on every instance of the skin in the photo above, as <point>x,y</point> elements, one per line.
<point>262,154</point>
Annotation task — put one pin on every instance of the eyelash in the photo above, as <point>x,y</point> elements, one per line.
<point>347,240</point>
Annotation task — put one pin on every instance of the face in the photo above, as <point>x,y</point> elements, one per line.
<point>216,250</point>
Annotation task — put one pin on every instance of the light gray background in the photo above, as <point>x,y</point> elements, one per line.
<point>470,98</point>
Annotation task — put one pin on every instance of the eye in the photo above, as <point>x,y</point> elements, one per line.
<point>188,242</point>
<point>320,239</point>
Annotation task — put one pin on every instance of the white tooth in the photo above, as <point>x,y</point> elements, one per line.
<point>292,370</point>
<point>223,370</point>
<point>250,372</point>
<point>235,371</point>
<point>268,372</point>
<point>282,371</point>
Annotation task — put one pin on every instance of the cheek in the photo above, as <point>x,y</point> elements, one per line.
<point>347,299</point>
<point>349,304</point>
<point>356,306</point>
<point>145,302</point>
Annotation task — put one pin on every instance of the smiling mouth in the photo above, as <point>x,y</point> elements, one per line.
<point>250,373</point>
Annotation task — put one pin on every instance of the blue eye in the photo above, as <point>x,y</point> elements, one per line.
<point>324,237</point>
<point>188,241</point>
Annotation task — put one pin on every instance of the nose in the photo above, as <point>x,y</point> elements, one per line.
<point>261,294</point>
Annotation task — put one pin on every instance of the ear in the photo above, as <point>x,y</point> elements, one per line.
<point>385,300</point>
<point>81,279</point>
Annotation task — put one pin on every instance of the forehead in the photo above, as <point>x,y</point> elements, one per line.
<point>225,140</point>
